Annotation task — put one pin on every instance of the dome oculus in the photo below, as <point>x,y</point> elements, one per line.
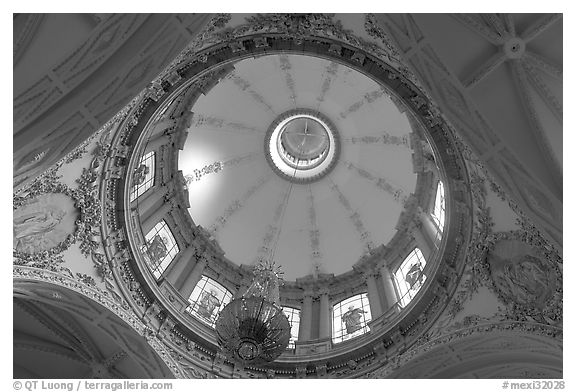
<point>302,145</point>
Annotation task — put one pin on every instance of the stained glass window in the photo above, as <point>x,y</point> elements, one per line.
<point>160,248</point>
<point>439,207</point>
<point>350,318</point>
<point>409,276</point>
<point>293,315</point>
<point>143,177</point>
<point>207,300</point>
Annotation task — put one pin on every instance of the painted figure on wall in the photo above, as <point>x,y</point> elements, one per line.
<point>353,319</point>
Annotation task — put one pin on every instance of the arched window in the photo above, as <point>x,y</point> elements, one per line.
<point>293,315</point>
<point>160,248</point>
<point>143,176</point>
<point>350,318</point>
<point>207,300</point>
<point>439,212</point>
<point>409,276</point>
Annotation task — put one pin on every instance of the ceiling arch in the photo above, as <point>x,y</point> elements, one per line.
<point>61,334</point>
<point>481,356</point>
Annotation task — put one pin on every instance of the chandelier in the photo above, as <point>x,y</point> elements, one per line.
<point>253,329</point>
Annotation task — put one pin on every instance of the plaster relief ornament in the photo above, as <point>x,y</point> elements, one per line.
<point>43,222</point>
<point>520,276</point>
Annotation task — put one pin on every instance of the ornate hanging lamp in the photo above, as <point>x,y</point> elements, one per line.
<point>253,329</point>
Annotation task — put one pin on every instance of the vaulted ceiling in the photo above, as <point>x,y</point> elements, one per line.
<point>498,79</point>
<point>61,334</point>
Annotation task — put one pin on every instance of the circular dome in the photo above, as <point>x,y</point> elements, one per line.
<point>302,146</point>
<point>341,142</point>
<point>342,235</point>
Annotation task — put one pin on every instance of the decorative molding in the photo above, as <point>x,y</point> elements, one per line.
<point>75,68</point>
<point>26,36</point>
<point>316,255</point>
<point>219,124</point>
<point>354,218</point>
<point>330,73</point>
<point>265,248</point>
<point>381,183</point>
<point>368,98</point>
<point>236,205</point>
<point>214,167</point>
<point>232,162</point>
<point>286,67</point>
<point>386,138</point>
<point>245,86</point>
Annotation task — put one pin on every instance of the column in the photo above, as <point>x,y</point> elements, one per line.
<point>306,317</point>
<point>325,321</point>
<point>177,266</point>
<point>156,217</point>
<point>389,290</point>
<point>153,197</point>
<point>156,142</point>
<point>431,167</point>
<point>416,230</point>
<point>429,230</point>
<point>373,295</point>
<point>194,277</point>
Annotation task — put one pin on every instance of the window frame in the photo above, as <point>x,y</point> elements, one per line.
<point>406,294</point>
<point>172,248</point>
<point>438,213</point>
<point>149,179</point>
<point>195,298</point>
<point>294,324</point>
<point>339,335</point>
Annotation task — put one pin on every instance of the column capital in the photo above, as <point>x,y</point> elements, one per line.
<point>371,273</point>
<point>324,291</point>
<point>201,258</point>
<point>308,293</point>
<point>385,269</point>
<point>415,223</point>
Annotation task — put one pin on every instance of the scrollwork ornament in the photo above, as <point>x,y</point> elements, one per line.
<point>374,30</point>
